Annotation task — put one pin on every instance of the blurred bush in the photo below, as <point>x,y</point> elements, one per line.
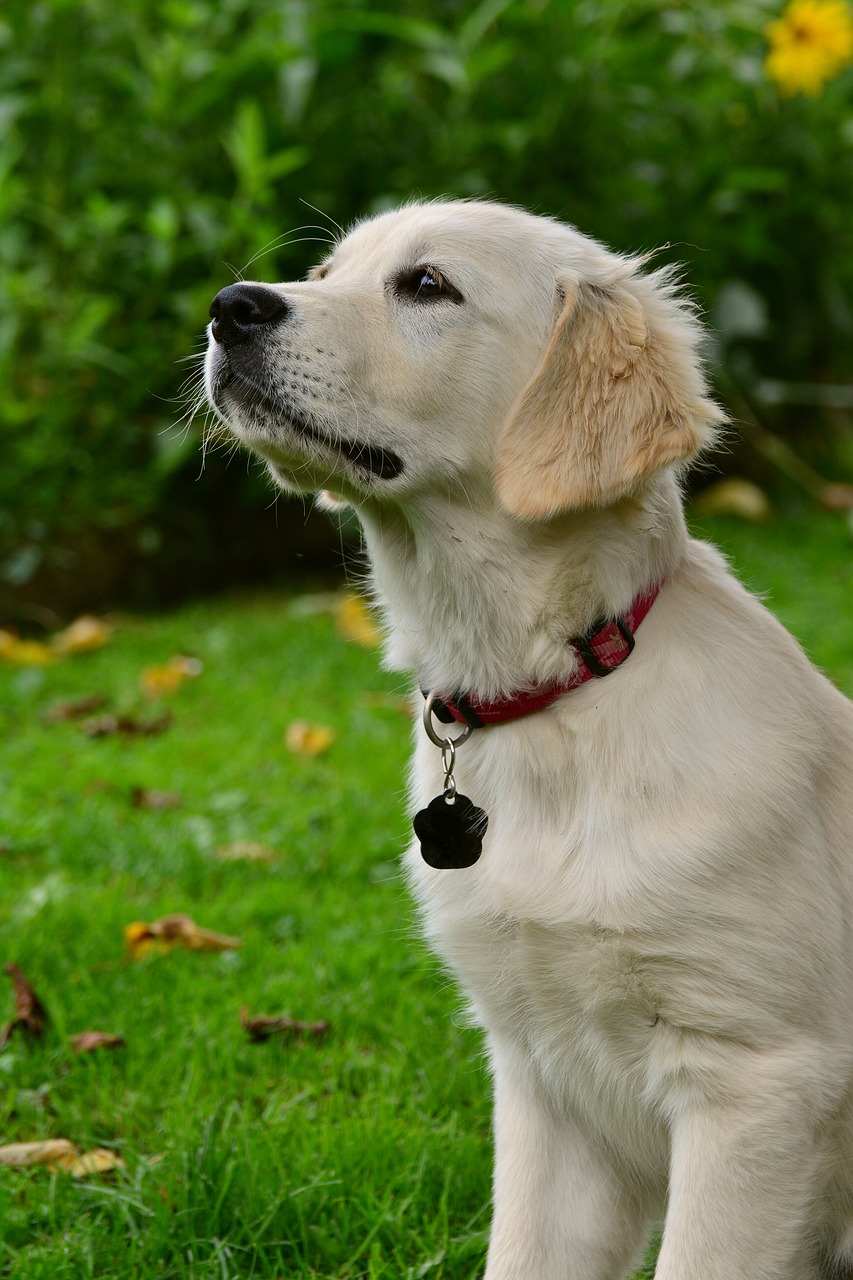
<point>151,148</point>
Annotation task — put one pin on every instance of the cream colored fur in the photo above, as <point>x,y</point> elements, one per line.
<point>658,938</point>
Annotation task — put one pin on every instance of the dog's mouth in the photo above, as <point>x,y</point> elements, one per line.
<point>383,464</point>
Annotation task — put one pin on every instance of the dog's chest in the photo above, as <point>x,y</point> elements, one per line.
<point>552,938</point>
<point>565,992</point>
<point>578,1002</point>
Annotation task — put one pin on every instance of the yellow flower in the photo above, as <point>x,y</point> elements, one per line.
<point>809,45</point>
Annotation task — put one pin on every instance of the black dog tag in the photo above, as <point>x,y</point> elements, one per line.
<point>451,831</point>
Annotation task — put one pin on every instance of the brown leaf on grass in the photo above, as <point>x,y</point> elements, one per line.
<point>82,636</point>
<point>145,798</point>
<point>30,1013</point>
<point>129,725</point>
<point>162,936</point>
<point>246,850</point>
<point>837,497</point>
<point>356,622</point>
<point>59,1155</point>
<point>305,739</point>
<point>89,1041</point>
<point>169,676</point>
<point>261,1027</point>
<point>74,708</point>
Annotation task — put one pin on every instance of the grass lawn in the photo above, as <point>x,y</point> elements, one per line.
<point>361,1154</point>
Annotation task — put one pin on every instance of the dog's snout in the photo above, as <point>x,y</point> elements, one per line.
<point>240,310</point>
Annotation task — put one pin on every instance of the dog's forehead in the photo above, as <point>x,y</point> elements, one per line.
<point>476,236</point>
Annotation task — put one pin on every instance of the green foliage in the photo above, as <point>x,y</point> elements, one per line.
<point>147,146</point>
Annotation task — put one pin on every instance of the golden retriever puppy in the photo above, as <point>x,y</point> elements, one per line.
<point>634,793</point>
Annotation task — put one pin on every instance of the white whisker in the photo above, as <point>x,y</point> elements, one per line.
<point>325,215</point>
<point>285,241</point>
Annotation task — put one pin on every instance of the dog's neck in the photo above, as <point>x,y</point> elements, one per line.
<point>476,600</point>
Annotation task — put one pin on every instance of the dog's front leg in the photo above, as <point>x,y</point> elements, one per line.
<point>562,1210</point>
<point>741,1189</point>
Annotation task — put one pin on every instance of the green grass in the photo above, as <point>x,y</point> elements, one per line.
<point>362,1155</point>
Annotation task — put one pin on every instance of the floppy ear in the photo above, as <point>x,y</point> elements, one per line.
<point>619,394</point>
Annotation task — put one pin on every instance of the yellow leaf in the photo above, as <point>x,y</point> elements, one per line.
<point>306,739</point>
<point>248,850</point>
<point>83,635</point>
<point>141,942</point>
<point>356,622</point>
<point>169,676</point>
<point>734,496</point>
<point>24,653</point>
<point>162,936</point>
<point>8,643</point>
<point>101,1160</point>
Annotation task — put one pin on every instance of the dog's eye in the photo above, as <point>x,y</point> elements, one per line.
<point>425,284</point>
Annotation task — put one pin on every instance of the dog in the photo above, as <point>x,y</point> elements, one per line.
<point>635,793</point>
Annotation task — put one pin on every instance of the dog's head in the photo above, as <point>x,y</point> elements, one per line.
<point>447,343</point>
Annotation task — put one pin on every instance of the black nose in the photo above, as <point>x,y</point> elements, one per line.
<point>241,310</point>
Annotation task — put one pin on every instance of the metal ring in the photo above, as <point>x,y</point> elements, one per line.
<point>448,759</point>
<point>431,733</point>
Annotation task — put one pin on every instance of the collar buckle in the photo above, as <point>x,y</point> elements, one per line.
<point>584,644</point>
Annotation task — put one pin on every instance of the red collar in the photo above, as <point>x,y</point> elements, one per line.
<point>599,651</point>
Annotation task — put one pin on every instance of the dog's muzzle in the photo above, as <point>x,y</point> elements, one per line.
<point>242,313</point>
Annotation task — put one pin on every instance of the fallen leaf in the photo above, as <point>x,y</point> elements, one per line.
<point>734,496</point>
<point>82,636</point>
<point>30,1013</point>
<point>24,653</point>
<point>89,1041</point>
<point>101,1160</point>
<point>58,1154</point>
<point>129,725</point>
<point>143,798</point>
<point>261,1027</point>
<point>8,641</point>
<point>248,850</point>
<point>306,739</point>
<point>169,676</point>
<point>173,931</point>
<point>837,497</point>
<point>74,708</point>
<point>357,622</point>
